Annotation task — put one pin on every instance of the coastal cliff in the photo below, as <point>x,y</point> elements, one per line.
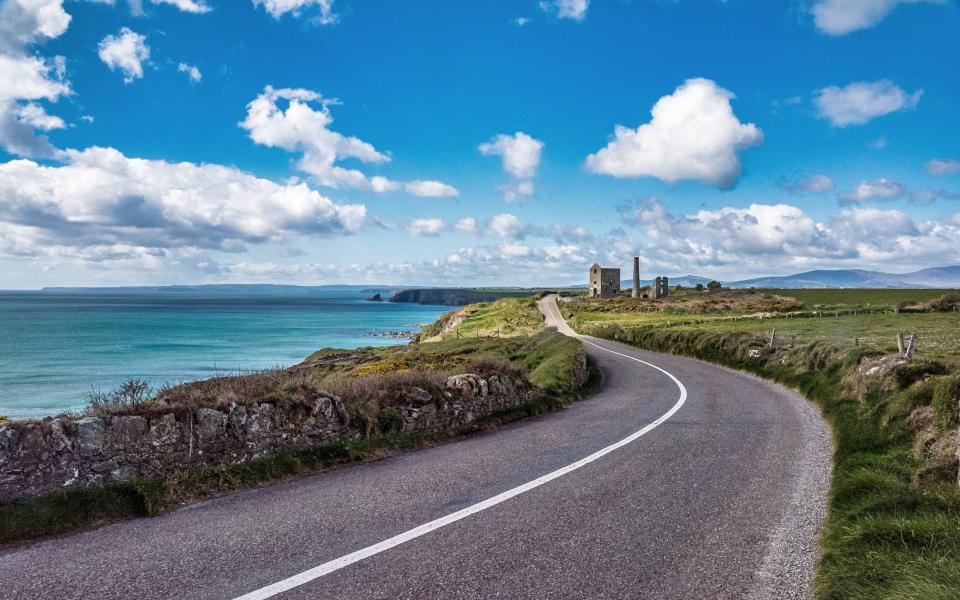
<point>455,296</point>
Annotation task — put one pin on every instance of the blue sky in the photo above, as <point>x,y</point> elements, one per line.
<point>338,141</point>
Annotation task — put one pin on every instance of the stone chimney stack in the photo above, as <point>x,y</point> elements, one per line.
<point>635,293</point>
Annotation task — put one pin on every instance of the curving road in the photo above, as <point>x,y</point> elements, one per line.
<point>679,480</point>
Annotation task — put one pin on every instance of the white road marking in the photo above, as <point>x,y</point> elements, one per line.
<point>344,561</point>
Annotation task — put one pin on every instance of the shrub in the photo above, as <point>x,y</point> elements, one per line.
<point>946,398</point>
<point>359,419</point>
<point>389,419</point>
<point>945,303</point>
<point>907,374</point>
<point>129,394</point>
<point>714,285</point>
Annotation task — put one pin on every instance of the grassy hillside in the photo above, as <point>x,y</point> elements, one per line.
<point>506,317</point>
<point>893,525</point>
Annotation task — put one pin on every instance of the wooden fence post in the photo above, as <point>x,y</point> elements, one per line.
<point>911,346</point>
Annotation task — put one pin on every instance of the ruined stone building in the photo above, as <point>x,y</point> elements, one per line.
<point>604,283</point>
<point>659,288</point>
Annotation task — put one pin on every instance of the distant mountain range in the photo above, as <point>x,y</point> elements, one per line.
<point>935,277</point>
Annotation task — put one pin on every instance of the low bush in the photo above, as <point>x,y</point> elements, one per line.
<point>389,419</point>
<point>130,394</point>
<point>946,402</point>
<point>907,374</point>
<point>946,303</point>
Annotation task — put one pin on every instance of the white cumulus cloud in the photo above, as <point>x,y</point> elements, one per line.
<point>520,156</point>
<point>860,102</point>
<point>100,201</point>
<point>26,79</point>
<point>190,6</point>
<point>505,225</point>
<point>514,250</point>
<point>430,189</point>
<point>192,72</point>
<point>767,238</point>
<point>520,153</point>
<point>186,5</point>
<point>278,8</point>
<point>566,9</point>
<point>878,189</point>
<point>466,225</point>
<point>125,51</point>
<point>425,227</point>
<point>758,228</point>
<point>840,17</point>
<point>693,135</point>
<point>25,22</point>
<point>303,126</point>
<point>36,116</point>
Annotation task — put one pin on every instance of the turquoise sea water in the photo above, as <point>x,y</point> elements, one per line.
<point>56,347</point>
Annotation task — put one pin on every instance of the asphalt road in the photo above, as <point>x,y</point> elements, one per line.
<point>721,498</point>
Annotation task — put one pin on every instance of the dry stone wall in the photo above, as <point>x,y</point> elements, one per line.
<point>37,458</point>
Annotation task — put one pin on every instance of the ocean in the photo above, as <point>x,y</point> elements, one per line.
<point>55,347</point>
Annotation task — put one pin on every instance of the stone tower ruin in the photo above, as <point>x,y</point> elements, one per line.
<point>635,291</point>
<point>604,283</point>
<point>659,288</point>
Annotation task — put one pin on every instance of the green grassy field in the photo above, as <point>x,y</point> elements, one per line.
<point>822,316</point>
<point>857,297</point>
<point>938,333</point>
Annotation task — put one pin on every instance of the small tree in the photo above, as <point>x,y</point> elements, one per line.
<point>699,287</point>
<point>714,285</point>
